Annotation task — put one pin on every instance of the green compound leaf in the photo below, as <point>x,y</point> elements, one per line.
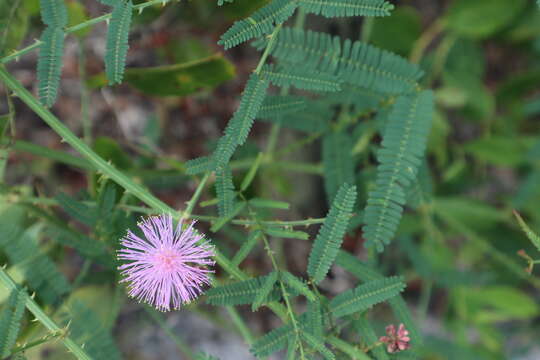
<point>314,118</point>
<point>314,319</point>
<point>330,236</point>
<point>199,165</point>
<point>264,292</point>
<point>239,126</point>
<point>365,296</point>
<point>340,8</point>
<point>117,41</point>
<point>300,78</point>
<point>49,66</point>
<point>225,191</point>
<point>275,106</point>
<point>239,293</point>
<point>403,146</point>
<point>260,23</point>
<point>273,341</point>
<point>317,345</point>
<point>246,247</point>
<point>365,273</point>
<point>53,13</point>
<point>355,63</point>
<point>10,321</point>
<point>337,161</point>
<point>298,285</point>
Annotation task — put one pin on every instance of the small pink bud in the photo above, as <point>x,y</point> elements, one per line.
<point>396,341</point>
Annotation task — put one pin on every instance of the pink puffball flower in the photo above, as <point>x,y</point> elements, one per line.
<point>168,268</point>
<point>396,341</point>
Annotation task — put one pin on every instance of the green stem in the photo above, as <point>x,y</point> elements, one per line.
<point>85,116</point>
<point>425,39</point>
<point>180,344</point>
<point>268,48</point>
<point>240,324</point>
<point>193,201</point>
<point>367,28</point>
<point>34,308</point>
<point>107,169</point>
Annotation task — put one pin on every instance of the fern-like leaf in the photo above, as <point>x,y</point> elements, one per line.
<point>330,236</point>
<point>199,165</point>
<point>117,41</point>
<point>403,146</point>
<point>314,319</point>
<point>53,13</point>
<point>246,247</point>
<point>10,321</point>
<point>355,63</point>
<point>298,285</point>
<point>260,23</point>
<point>365,296</point>
<point>49,65</point>
<point>273,341</point>
<point>300,78</point>
<point>276,106</point>
<point>264,292</point>
<point>365,273</point>
<point>318,346</point>
<point>340,8</point>
<point>365,330</point>
<point>239,126</point>
<point>239,293</point>
<point>337,161</point>
<point>225,191</point>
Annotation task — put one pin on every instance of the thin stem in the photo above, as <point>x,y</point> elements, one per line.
<point>196,195</point>
<point>240,324</point>
<point>117,176</point>
<point>180,344</point>
<point>425,39</point>
<point>85,116</point>
<point>367,29</point>
<point>34,308</point>
<point>268,48</point>
<point>74,28</point>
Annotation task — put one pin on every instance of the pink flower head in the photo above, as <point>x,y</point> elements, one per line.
<point>396,341</point>
<point>167,268</point>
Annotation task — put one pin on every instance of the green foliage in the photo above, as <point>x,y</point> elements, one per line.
<point>298,285</point>
<point>239,293</point>
<point>314,319</point>
<point>300,78</point>
<point>260,23</point>
<point>239,126</point>
<point>337,161</point>
<point>21,247</point>
<point>275,106</point>
<point>340,8</point>
<point>318,345</point>
<point>201,355</point>
<point>531,235</point>
<point>117,41</point>
<point>265,290</point>
<point>315,118</point>
<point>397,303</point>
<point>352,62</point>
<point>246,247</point>
<point>199,165</point>
<point>181,79</point>
<point>403,146</point>
<point>482,18</point>
<point>50,64</point>
<point>368,335</point>
<point>10,321</point>
<point>365,296</point>
<point>330,236</point>
<point>85,327</point>
<point>225,191</point>
<point>53,13</point>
